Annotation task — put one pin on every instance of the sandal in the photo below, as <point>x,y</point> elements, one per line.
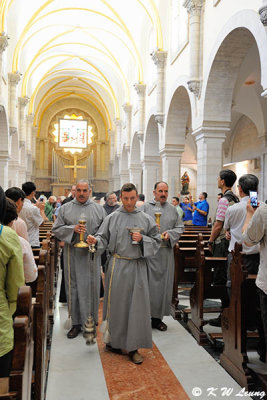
<point>156,323</point>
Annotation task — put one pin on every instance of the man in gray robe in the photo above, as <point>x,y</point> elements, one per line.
<point>82,269</point>
<point>126,313</point>
<point>161,266</point>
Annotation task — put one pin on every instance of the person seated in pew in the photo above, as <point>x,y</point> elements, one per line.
<point>11,278</point>
<point>255,232</point>
<point>17,195</point>
<point>30,268</point>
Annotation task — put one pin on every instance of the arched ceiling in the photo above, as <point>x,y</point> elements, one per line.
<point>83,48</point>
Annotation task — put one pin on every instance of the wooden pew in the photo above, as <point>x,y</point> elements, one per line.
<point>40,330</point>
<point>204,289</point>
<point>234,357</point>
<point>21,371</point>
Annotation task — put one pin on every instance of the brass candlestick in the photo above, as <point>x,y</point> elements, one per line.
<point>158,214</point>
<point>82,244</point>
<point>134,230</point>
<point>89,331</point>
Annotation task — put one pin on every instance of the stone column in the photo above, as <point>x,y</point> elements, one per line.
<point>13,80</point>
<point>263,174</point>
<point>23,101</point>
<point>194,9</point>
<point>136,176</point>
<point>159,58</point>
<point>13,172</point>
<point>118,148</point>
<point>127,108</point>
<point>151,165</point>
<point>111,176</point>
<point>34,139</point>
<point>3,46</point>
<point>4,158</point>
<point>171,167</point>
<point>141,92</point>
<point>209,140</point>
<point>46,152</point>
<point>111,144</point>
<point>124,177</point>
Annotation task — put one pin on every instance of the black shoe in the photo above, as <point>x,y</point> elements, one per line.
<point>74,332</point>
<point>216,321</point>
<point>110,348</point>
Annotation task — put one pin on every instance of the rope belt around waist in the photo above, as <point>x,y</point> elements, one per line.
<point>115,255</point>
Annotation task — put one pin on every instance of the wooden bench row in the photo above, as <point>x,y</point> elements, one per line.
<point>195,266</point>
<point>32,327</point>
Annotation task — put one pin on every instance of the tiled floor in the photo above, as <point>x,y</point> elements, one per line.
<point>176,368</point>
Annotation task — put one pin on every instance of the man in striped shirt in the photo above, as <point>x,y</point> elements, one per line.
<point>218,244</point>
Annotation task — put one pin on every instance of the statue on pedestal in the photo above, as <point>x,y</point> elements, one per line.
<point>185,183</point>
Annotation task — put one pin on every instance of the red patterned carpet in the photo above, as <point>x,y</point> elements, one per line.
<point>151,380</point>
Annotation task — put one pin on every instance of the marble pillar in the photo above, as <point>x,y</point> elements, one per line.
<point>151,165</point>
<point>13,80</point>
<point>171,167</point>
<point>141,92</point>
<point>118,138</point>
<point>194,9</point>
<point>135,176</point>
<point>127,108</point>
<point>159,57</point>
<point>3,46</point>
<point>209,140</point>
<point>4,158</point>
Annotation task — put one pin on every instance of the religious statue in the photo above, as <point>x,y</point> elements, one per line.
<point>185,183</point>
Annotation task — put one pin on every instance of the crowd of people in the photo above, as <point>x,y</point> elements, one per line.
<point>134,251</point>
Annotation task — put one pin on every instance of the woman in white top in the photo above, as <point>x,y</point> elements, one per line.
<point>30,268</point>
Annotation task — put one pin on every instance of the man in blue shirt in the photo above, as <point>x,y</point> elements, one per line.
<point>187,209</point>
<point>201,210</point>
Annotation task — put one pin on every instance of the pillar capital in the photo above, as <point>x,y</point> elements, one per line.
<point>159,58</point>
<point>193,7</point>
<point>194,86</point>
<point>140,88</point>
<point>118,122</point>
<point>13,130</point>
<point>14,78</point>
<point>173,150</point>
<point>127,108</point>
<point>215,131</point>
<point>263,13</point>
<point>23,101</point>
<point>3,42</point>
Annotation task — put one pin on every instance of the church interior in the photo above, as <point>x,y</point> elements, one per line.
<point>137,91</point>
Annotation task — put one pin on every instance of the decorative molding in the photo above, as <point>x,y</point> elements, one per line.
<point>159,118</point>
<point>3,42</point>
<point>195,87</point>
<point>140,88</point>
<point>263,14</point>
<point>14,77</point>
<point>194,7</point>
<point>23,101</point>
<point>140,136</point>
<point>13,130</point>
<point>159,57</point>
<point>127,108</point>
